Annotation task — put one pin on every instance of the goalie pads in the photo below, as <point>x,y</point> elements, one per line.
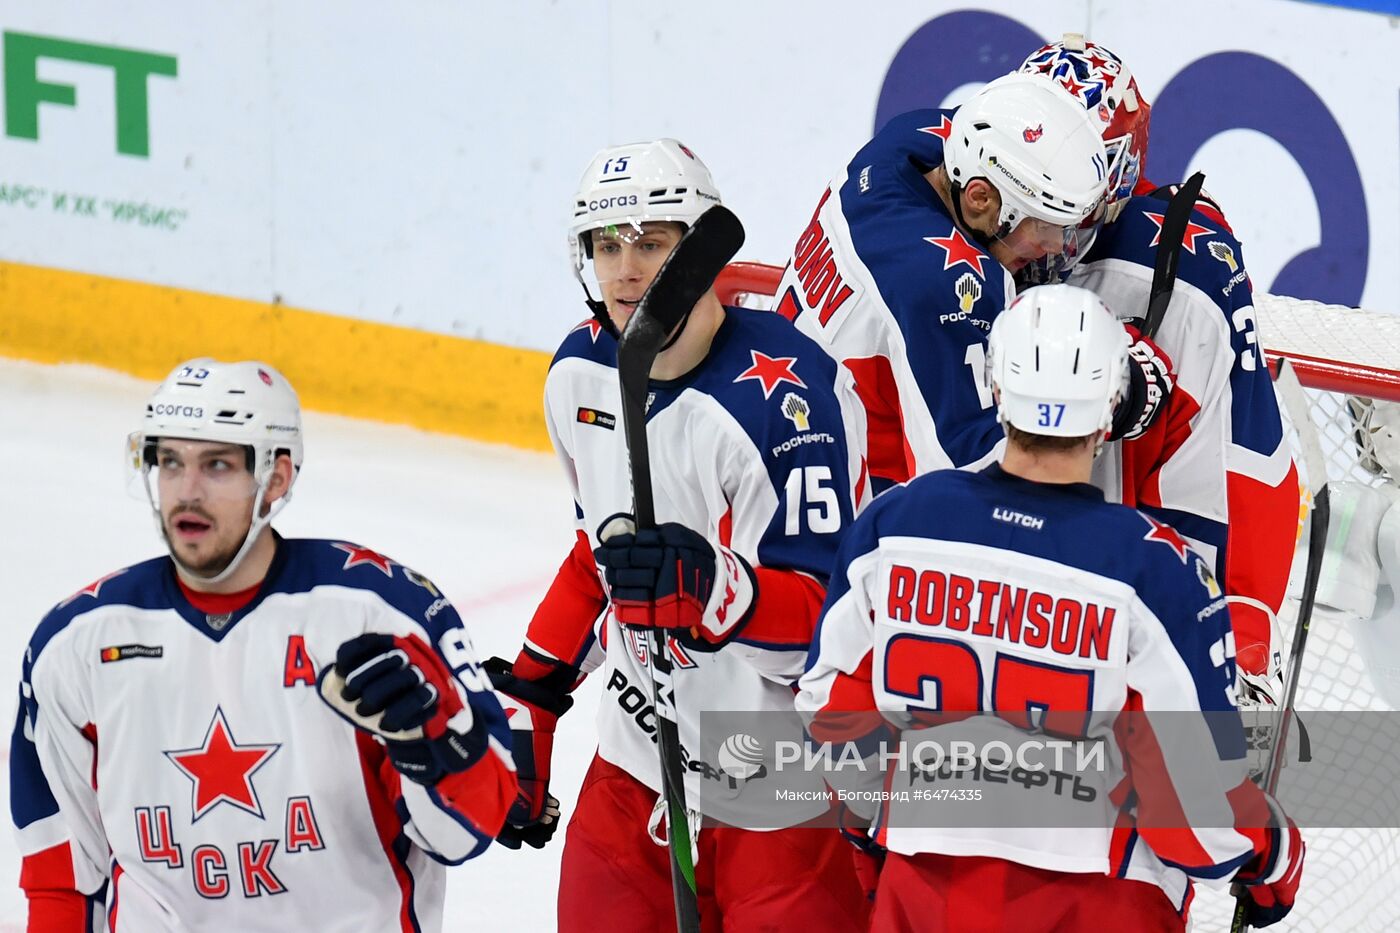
<point>1350,565</point>
<point>1378,635</point>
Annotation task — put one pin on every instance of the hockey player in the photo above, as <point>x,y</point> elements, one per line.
<point>757,467</point>
<point>909,256</point>
<point>1217,467</point>
<point>1019,591</point>
<point>172,766</point>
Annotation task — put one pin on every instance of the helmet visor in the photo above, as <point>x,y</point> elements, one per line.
<point>621,260</point>
<point>171,471</point>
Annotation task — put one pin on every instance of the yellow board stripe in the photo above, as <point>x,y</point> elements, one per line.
<point>359,368</point>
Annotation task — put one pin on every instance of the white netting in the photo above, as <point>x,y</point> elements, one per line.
<point>1352,876</point>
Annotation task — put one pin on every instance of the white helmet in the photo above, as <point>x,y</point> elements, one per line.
<point>249,404</point>
<point>1058,359</point>
<point>631,185</point>
<point>1035,144</point>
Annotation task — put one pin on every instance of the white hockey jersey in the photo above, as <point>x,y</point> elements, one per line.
<point>760,448</point>
<point>180,771</point>
<point>963,592</point>
<point>1217,466</point>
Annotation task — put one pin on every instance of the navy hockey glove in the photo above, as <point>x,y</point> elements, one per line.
<point>671,578</point>
<point>398,688</point>
<point>1270,882</point>
<point>532,708</point>
<point>1150,384</point>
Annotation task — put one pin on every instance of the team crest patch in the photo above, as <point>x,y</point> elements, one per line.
<point>1222,252</point>
<point>1207,579</point>
<point>1031,134</point>
<point>796,410</point>
<point>595,417</point>
<point>417,579</point>
<point>123,652</point>
<point>969,290</point>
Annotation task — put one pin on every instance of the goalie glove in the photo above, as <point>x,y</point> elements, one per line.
<point>1150,385</point>
<point>532,709</point>
<point>398,688</point>
<point>671,578</point>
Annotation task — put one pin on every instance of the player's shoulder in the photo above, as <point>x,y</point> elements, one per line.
<point>312,563</point>
<point>929,270</point>
<point>587,341</point>
<point>144,586</point>
<point>916,137</point>
<point>920,506</point>
<point>760,356</point>
<point>1210,258</point>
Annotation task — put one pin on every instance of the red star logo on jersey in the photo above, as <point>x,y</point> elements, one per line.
<point>363,555</point>
<point>958,249</point>
<point>92,588</point>
<point>944,127</point>
<point>1167,535</point>
<point>222,770</point>
<point>1188,240</point>
<point>593,326</point>
<point>771,371</point>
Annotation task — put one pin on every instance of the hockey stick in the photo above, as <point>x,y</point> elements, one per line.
<point>1169,240</point>
<point>1291,392</point>
<point>686,275</point>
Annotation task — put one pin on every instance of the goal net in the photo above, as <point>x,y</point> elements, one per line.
<point>1346,360</point>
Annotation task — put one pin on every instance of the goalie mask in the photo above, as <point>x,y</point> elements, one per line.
<point>1057,360</point>
<point>1031,141</point>
<point>626,187</point>
<point>1107,90</point>
<point>249,405</point>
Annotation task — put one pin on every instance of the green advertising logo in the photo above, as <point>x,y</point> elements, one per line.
<point>131,68</point>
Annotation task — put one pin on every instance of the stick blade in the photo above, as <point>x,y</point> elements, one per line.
<point>687,274</point>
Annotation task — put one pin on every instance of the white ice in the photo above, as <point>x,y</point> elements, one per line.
<point>488,524</point>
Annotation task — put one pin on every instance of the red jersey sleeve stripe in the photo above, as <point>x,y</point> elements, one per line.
<point>562,625</point>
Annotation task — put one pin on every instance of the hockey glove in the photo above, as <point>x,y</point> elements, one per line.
<point>532,708</point>
<point>399,689</point>
<point>1270,882</point>
<point>867,855</point>
<point>1150,384</point>
<point>671,578</point>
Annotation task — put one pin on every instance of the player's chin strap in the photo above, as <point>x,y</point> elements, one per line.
<point>692,819</point>
<point>984,240</point>
<point>599,310</point>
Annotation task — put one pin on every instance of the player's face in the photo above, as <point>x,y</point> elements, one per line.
<point>205,495</point>
<point>626,259</point>
<point>1029,240</point>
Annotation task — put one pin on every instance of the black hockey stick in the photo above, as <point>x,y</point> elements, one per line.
<point>1169,240</point>
<point>687,274</point>
<point>1296,404</point>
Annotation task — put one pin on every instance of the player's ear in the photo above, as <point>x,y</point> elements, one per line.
<point>280,480</point>
<point>982,199</point>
